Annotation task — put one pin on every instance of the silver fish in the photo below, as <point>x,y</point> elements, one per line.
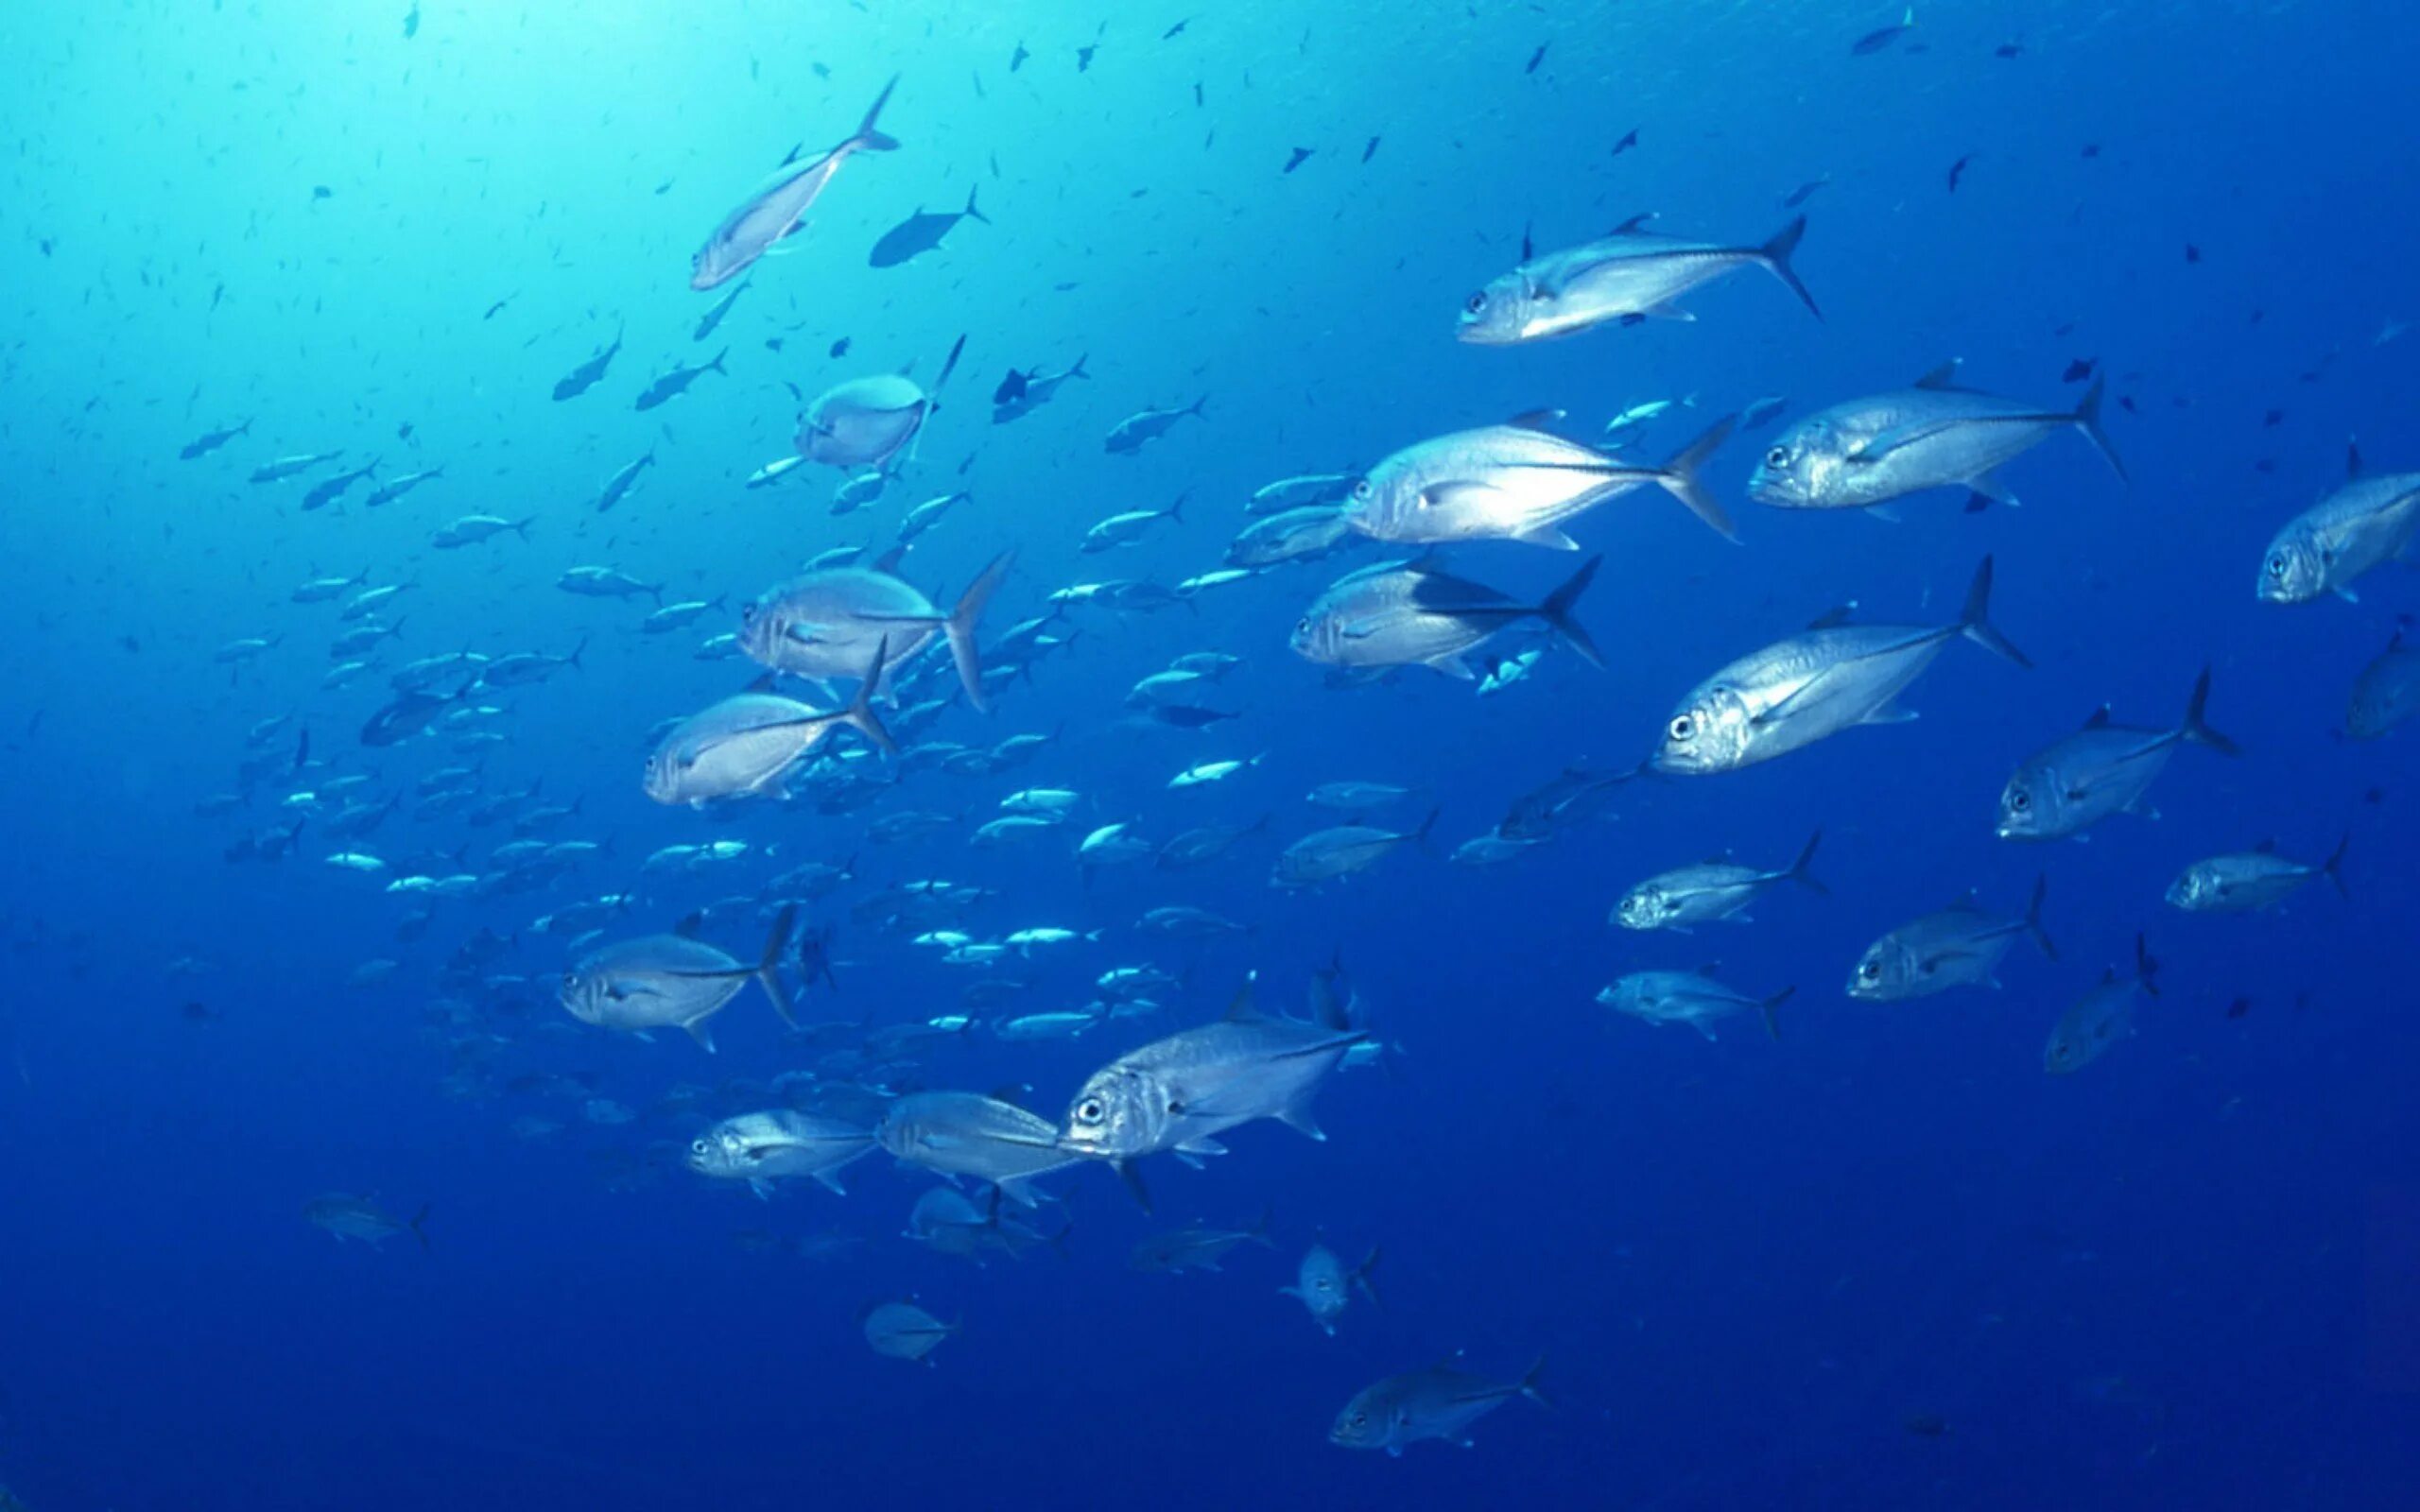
<point>864,423</point>
<point>1829,679</point>
<point>1715,889</point>
<point>1960,946</point>
<point>778,206</point>
<point>1693,998</point>
<point>1326,1288</point>
<point>1130,435</point>
<point>2387,694</point>
<point>903,1330</point>
<point>2250,880</point>
<point>2101,1016</point>
<point>827,623</point>
<point>1296,535</point>
<point>1629,276</point>
<point>1516,482</point>
<point>745,745</point>
<point>761,1148</point>
<point>1404,614</point>
<point>1936,435</point>
<point>1441,1403</point>
<point>2321,551</point>
<point>1197,1248</point>
<point>349,1216</point>
<point>669,981</point>
<point>2100,770</point>
<point>970,1135</point>
<point>1340,851</point>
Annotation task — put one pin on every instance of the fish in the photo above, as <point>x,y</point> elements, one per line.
<point>1504,671</point>
<point>1405,615</point>
<point>1883,37</point>
<point>659,981</point>
<point>668,386</point>
<point>2368,520</point>
<point>1866,452</point>
<point>774,471</point>
<point>957,1133</point>
<point>2249,880</point>
<point>777,208</point>
<point>1629,276</point>
<point>1355,797</point>
<point>747,746</point>
<point>1022,393</point>
<point>1712,890</point>
<point>1204,772</point>
<point>1804,192</point>
<point>1441,1403</point>
<point>921,233</point>
<point>1694,998</point>
<point>715,313</point>
<point>589,373</point>
<point>1180,1092</point>
<point>761,1148</point>
<point>1196,1249</point>
<point>1125,528</point>
<point>473,528</point>
<point>1958,946</point>
<point>1128,436</point>
<point>209,441</point>
<point>1832,676</point>
<point>624,481</point>
<point>1340,851</point>
<point>2387,694</point>
<point>1300,492</point>
<point>605,583</point>
<point>395,488</point>
<point>825,623</point>
<point>286,467</point>
<point>2101,769</point>
<point>903,1330</point>
<point>865,422</point>
<point>1516,482</point>
<point>348,1216</point>
<point>2101,1016</point>
<point>1326,1288</point>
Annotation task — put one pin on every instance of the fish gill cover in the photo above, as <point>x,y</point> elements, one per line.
<point>1006,755</point>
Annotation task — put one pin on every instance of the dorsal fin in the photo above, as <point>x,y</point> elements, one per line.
<point>1635,223</point>
<point>1527,247</point>
<point>2268,845</point>
<point>1240,1008</point>
<point>2099,718</point>
<point>763,683</point>
<point>2108,975</point>
<point>889,562</point>
<point>1014,1093</point>
<point>1536,419</point>
<point>1709,968</point>
<point>1964,900</point>
<point>690,924</point>
<point>1945,376</point>
<point>2352,457</point>
<point>1833,618</point>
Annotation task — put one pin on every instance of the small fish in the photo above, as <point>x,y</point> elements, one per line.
<point>672,385</point>
<point>1326,1288</point>
<point>2101,769</point>
<point>209,441</point>
<point>1629,276</point>
<point>2251,879</point>
<point>286,467</point>
<point>356,1217</point>
<point>1022,394</point>
<point>1958,171</point>
<point>777,207</point>
<point>1687,896</point>
<point>1130,435</point>
<point>1341,851</point>
<point>921,233</point>
<point>2370,521</point>
<point>1197,1248</point>
<point>1630,140</point>
<point>2101,1016</point>
<point>1297,159</point>
<point>625,480</point>
<point>1803,192</point>
<point>1960,946</point>
<point>1694,998</point>
<point>2387,694</point>
<point>1403,614</point>
<point>585,377</point>
<point>715,313</point>
<point>903,1330</point>
<point>1882,38</point>
<point>1441,1403</point>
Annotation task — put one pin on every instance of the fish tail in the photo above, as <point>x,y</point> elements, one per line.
<point>769,965</point>
<point>2196,729</point>
<point>1679,477</point>
<point>1365,1278</point>
<point>714,366</point>
<point>960,626</point>
<point>1774,258</point>
<point>1197,409</point>
<point>868,139</point>
<point>1420,835</point>
<point>521,527</point>
<point>1556,611</point>
<point>573,659</point>
<point>2087,419</point>
<point>2333,868</point>
<point>1077,370</point>
<point>1975,622</point>
<point>1766,1007</point>
<point>419,1225</point>
<point>1798,871</point>
<point>860,716</point>
<point>971,212</point>
<point>1259,1232</point>
<point>1529,1387</point>
<point>2146,967</point>
<point>2034,917</point>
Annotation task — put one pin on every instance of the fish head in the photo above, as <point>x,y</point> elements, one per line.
<point>2296,569</point>
<point>1120,1112</point>
<point>713,265</point>
<point>722,1151</point>
<point>1797,471</point>
<point>1499,314</point>
<point>583,993</point>
<point>1886,971</point>
<point>2028,806</point>
<point>1366,1423</point>
<point>2065,1052</point>
<point>1318,636</point>
<point>666,766</point>
<point>2195,888</point>
<point>1644,906</point>
<point>1709,733</point>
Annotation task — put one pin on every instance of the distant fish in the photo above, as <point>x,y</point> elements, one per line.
<point>1804,192</point>
<point>1022,393</point>
<point>328,490</point>
<point>2387,694</point>
<point>903,1330</point>
<point>1130,435</point>
<point>625,479</point>
<point>1197,1248</point>
<point>1694,998</point>
<point>1630,140</point>
<point>355,1217</point>
<point>1441,1403</point>
<point>777,206</point>
<point>584,377</point>
<point>2250,880</point>
<point>713,318</point>
<point>2101,1016</point>
<point>1404,614</point>
<point>1958,946</point>
<point>921,233</point>
<point>209,441</point>
<point>1958,171</point>
<point>672,385</point>
<point>1300,154</point>
<point>286,467</point>
<point>1877,41</point>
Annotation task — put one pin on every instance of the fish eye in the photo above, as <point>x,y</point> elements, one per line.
<point>571,979</point>
<point>2277,565</point>
<point>1778,456</point>
<point>1360,1419</point>
<point>1089,1110</point>
<point>747,613</point>
<point>2020,800</point>
<point>1362,490</point>
<point>1684,728</point>
<point>1477,303</point>
<point>697,1146</point>
<point>1870,970</point>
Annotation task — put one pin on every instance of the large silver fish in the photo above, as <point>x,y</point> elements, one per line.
<point>970,1135</point>
<point>1960,946</point>
<point>1936,435</point>
<point>1516,482</point>
<point>828,623</point>
<point>1629,276</point>
<point>2248,880</point>
<point>1687,896</point>
<point>1180,1092</point>
<point>671,981</point>
<point>1405,615</point>
<point>761,1148</point>
<point>2100,770</point>
<point>1439,1402</point>
<point>778,206</point>
<point>2367,522</point>
<point>745,745</point>
<point>1694,998</point>
<point>1833,677</point>
<point>1340,851</point>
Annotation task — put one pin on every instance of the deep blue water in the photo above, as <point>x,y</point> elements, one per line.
<point>1885,1261</point>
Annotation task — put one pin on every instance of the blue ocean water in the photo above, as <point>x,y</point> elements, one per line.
<point>1881,1261</point>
